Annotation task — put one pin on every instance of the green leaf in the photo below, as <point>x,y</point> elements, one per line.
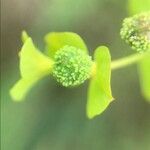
<point>138,6</point>
<point>99,92</point>
<point>33,66</point>
<point>144,73</point>
<point>56,40</point>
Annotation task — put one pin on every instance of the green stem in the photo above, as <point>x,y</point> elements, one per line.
<point>122,62</point>
<point>129,60</point>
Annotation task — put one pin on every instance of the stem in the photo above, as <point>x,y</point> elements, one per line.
<point>123,62</point>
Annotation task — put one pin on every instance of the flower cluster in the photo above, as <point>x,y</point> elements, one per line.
<point>136,31</point>
<point>72,66</point>
<point>67,59</point>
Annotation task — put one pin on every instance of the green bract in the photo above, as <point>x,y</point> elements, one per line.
<point>138,6</point>
<point>56,40</point>
<point>144,74</point>
<point>33,66</point>
<point>99,92</point>
<point>136,31</point>
<point>72,66</point>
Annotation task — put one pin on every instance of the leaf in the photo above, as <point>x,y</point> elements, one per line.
<point>33,66</point>
<point>138,6</point>
<point>99,92</point>
<point>144,74</point>
<point>56,40</point>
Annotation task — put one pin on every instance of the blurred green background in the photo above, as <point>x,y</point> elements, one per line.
<point>53,117</point>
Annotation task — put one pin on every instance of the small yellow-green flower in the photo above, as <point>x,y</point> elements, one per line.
<point>72,66</point>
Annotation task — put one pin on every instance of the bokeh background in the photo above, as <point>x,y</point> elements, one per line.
<point>53,117</point>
